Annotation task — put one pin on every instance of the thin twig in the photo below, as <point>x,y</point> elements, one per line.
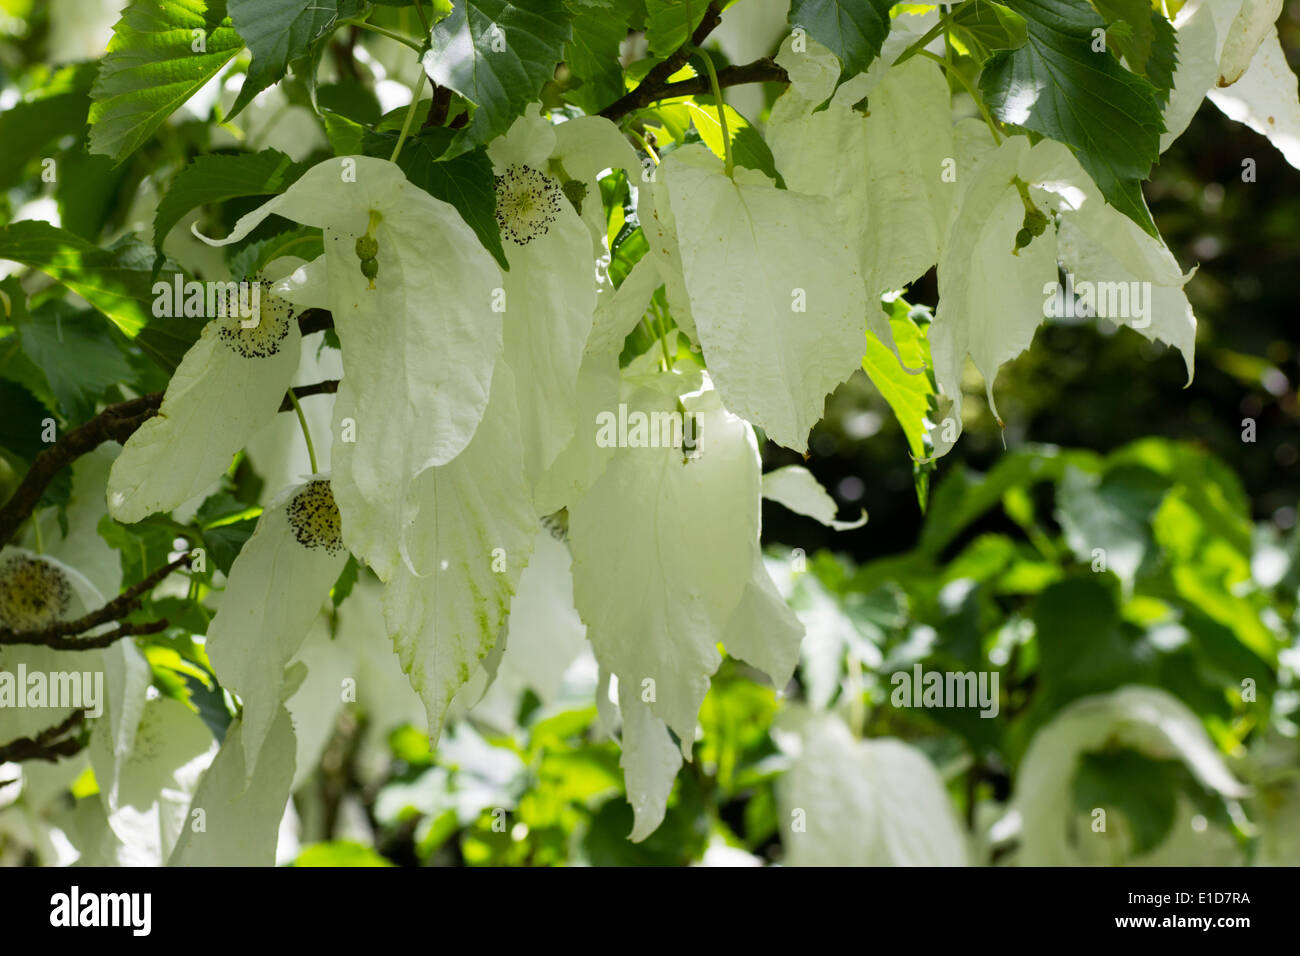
<point>46,745</point>
<point>327,387</point>
<point>764,70</point>
<point>647,91</point>
<point>114,610</point>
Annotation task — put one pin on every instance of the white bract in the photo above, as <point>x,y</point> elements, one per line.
<point>776,295</point>
<point>419,348</point>
<point>550,290</point>
<point>656,595</point>
<point>848,802</point>
<point>476,522</point>
<point>1144,719</point>
<point>276,588</point>
<point>795,487</point>
<point>229,384</point>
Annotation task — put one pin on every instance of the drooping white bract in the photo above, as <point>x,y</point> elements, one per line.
<point>795,487</point>
<point>584,148</point>
<point>583,459</point>
<point>229,384</point>
<point>775,291</point>
<point>878,170</point>
<point>242,802</point>
<point>1145,719</point>
<point>544,635</point>
<point>880,802</point>
<point>650,760</point>
<point>550,290</point>
<point>475,522</point>
<point>763,631</point>
<point>1230,51</point>
<point>657,593</point>
<point>275,590</point>
<point>147,810</point>
<point>993,296</point>
<point>418,349</point>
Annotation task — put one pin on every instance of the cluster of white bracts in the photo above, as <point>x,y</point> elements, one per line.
<point>469,394</point>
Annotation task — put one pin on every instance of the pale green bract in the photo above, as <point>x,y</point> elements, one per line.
<point>276,588</point>
<point>776,296</point>
<point>217,398</point>
<point>795,487</point>
<point>241,807</point>
<point>476,524</point>
<point>1145,719</point>
<point>650,761</point>
<point>657,595</point>
<point>878,802</point>
<point>550,290</point>
<point>419,348</point>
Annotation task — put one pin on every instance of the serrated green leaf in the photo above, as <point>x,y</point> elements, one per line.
<point>670,23</point>
<point>464,180</point>
<point>985,27</point>
<point>592,54</point>
<point>498,56</point>
<point>152,67</point>
<point>854,30</point>
<point>278,32</point>
<point>909,395</point>
<point>1057,86</point>
<point>102,277</point>
<point>747,145</point>
<point>223,176</point>
<point>78,359</point>
<point>56,109</point>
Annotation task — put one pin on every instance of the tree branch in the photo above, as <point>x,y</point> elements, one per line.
<point>46,745</point>
<point>647,91</point>
<point>115,423</point>
<point>116,609</point>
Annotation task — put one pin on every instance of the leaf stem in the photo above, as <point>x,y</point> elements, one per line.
<point>410,116</point>
<point>721,105</point>
<point>424,18</point>
<point>979,100</point>
<point>920,45</point>
<point>384,31</point>
<point>306,432</point>
<point>645,144</point>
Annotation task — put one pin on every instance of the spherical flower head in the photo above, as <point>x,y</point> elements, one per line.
<point>33,593</point>
<point>528,201</point>
<point>314,517</point>
<point>262,339</point>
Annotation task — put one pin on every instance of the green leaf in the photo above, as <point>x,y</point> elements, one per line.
<point>339,853</point>
<point>465,180</point>
<point>78,359</point>
<point>225,541</point>
<point>152,67</point>
<point>1083,646</point>
<point>1057,86</point>
<point>854,30</point>
<point>910,395</point>
<point>592,54</point>
<point>223,176</point>
<point>105,278</point>
<point>747,146</point>
<point>347,580</point>
<point>278,32</point>
<point>56,109</point>
<point>985,27</point>
<point>670,23</point>
<point>498,56</point>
